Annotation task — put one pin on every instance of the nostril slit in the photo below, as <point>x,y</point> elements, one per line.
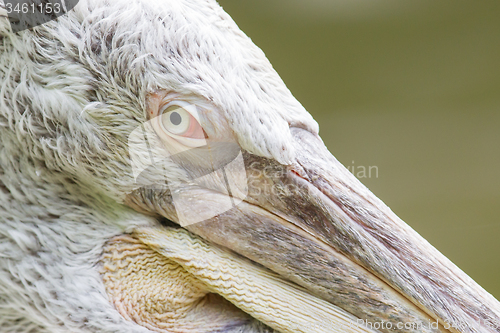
<point>298,171</point>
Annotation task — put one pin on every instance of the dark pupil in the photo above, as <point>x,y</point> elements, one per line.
<point>175,118</point>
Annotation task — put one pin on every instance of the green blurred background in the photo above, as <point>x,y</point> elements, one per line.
<point>411,87</point>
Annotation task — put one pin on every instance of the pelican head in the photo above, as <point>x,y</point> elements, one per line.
<point>156,175</point>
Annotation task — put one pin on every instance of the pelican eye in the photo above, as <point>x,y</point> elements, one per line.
<point>176,120</point>
<point>179,120</point>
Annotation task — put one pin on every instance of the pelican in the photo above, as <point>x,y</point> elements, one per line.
<point>156,175</point>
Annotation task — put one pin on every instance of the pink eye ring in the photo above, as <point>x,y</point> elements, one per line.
<point>179,119</point>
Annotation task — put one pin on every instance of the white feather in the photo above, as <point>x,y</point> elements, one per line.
<point>71,91</point>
